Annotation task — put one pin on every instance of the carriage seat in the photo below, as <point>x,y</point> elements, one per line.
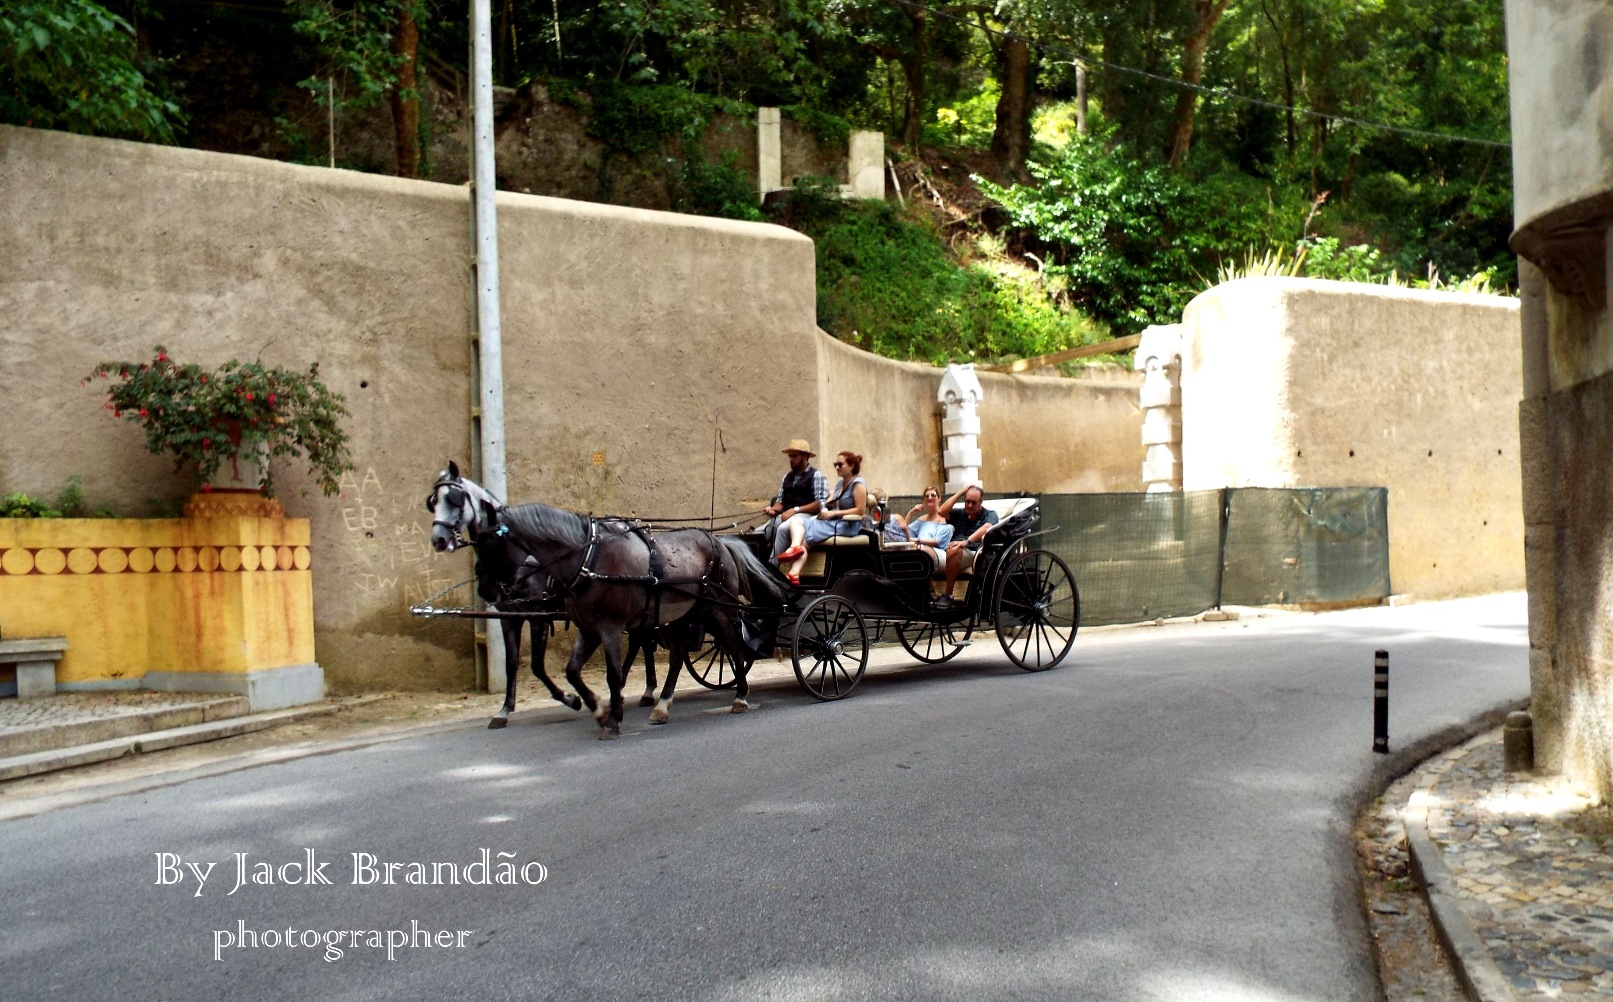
<point>815,559</point>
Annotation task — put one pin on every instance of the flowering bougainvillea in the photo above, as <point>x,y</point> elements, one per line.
<point>205,419</point>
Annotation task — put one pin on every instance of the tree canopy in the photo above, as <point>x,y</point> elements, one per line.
<point>1131,148</point>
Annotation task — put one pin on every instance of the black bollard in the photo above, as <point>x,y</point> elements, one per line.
<point>1380,702</point>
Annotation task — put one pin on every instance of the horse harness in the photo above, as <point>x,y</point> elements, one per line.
<point>655,582</point>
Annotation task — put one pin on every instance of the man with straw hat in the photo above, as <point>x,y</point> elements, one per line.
<point>802,492</point>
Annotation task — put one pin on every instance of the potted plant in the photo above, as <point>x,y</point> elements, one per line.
<point>239,411</point>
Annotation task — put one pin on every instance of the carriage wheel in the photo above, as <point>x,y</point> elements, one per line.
<point>830,648</point>
<point>933,643</point>
<point>1037,610</point>
<point>711,665</point>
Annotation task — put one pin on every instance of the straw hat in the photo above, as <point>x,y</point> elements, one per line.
<point>799,445</point>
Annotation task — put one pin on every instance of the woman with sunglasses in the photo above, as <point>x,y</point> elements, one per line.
<point>841,516</point>
<point>928,528</point>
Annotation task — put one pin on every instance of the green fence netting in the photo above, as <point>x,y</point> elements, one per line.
<point>1304,546</point>
<point>1138,557</point>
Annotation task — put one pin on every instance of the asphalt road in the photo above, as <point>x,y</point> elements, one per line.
<point>1165,817</point>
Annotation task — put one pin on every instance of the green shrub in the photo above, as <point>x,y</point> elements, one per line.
<point>19,505</point>
<point>706,188</point>
<point>1135,239</point>
<point>887,284</point>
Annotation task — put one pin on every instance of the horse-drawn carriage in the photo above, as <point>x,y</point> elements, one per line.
<point>858,590</point>
<point>718,604</point>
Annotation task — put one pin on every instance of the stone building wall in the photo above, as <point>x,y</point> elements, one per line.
<point>1302,383</point>
<point>1560,60</point>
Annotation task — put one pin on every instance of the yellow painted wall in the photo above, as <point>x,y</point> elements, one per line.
<point>134,596</point>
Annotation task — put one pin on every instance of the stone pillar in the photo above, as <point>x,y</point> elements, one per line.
<point>1540,524</point>
<point>769,154</point>
<point>1159,357</point>
<point>960,395</point>
<point>866,165</point>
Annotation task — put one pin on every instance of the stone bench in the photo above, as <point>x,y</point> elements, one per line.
<point>35,659</point>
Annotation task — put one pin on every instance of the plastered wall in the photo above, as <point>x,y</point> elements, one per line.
<point>645,353</point>
<point>1302,383</point>
<point>630,336</point>
<point>1038,433</point>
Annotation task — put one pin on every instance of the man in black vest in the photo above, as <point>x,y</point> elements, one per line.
<point>803,491</point>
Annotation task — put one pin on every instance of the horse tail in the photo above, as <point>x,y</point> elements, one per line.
<point>761,584</point>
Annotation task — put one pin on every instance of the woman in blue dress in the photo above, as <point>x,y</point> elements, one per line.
<point>841,516</point>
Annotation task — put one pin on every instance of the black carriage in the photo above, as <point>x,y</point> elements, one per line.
<point>856,590</point>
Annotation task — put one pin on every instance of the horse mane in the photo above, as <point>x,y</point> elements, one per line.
<point>539,521</point>
<point>759,581</point>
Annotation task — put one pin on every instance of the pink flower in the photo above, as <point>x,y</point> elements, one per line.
<point>249,396</point>
<point>162,356</point>
<point>206,488</point>
<point>142,412</point>
<point>117,413</point>
<point>207,443</point>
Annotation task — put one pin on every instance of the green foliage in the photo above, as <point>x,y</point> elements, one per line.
<point>69,504</point>
<point>72,64</point>
<point>354,39</point>
<point>204,418</point>
<point>635,120</point>
<point>968,122</point>
<point>20,505</point>
<point>888,284</point>
<point>1132,238</point>
<point>706,188</point>
<point>831,129</point>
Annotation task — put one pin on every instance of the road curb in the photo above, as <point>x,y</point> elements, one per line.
<point>55,759</point>
<point>78,733</point>
<point>1475,967</point>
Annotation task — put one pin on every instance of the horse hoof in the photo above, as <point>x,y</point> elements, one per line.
<point>658,716</point>
<point>497,722</point>
<point>606,734</point>
<point>740,706</point>
<point>571,700</point>
<point>646,700</point>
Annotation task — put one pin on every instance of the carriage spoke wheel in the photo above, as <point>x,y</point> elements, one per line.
<point>830,649</point>
<point>711,666</point>
<point>1037,610</point>
<point>934,643</point>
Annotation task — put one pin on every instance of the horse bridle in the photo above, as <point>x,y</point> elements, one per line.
<point>457,496</point>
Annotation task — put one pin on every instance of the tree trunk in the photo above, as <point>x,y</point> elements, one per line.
<point>1010,141</point>
<point>1209,12</point>
<point>406,93</point>
<point>916,67</point>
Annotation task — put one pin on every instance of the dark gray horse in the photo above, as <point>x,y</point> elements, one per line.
<point>609,576</point>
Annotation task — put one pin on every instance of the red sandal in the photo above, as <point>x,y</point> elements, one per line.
<point>794,579</point>
<point>792,553</point>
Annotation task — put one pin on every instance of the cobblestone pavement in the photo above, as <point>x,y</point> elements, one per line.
<point>1533,864</point>
<point>73,707</point>
<point>1532,860</point>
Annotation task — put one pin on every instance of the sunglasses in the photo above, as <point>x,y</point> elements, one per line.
<point>838,463</point>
